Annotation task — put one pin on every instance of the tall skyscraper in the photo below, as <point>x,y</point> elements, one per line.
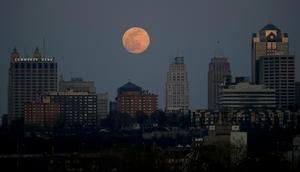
<point>268,41</point>
<point>29,78</point>
<point>278,72</point>
<point>177,87</point>
<point>132,99</point>
<point>218,75</point>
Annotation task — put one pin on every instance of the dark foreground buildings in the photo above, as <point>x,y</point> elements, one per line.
<point>297,94</point>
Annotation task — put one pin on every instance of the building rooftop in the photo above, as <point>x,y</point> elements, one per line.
<point>247,87</point>
<point>129,87</point>
<point>219,59</point>
<point>68,93</point>
<point>269,26</point>
<point>179,60</point>
<point>271,33</point>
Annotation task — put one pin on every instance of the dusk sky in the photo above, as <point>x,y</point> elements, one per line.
<point>85,37</point>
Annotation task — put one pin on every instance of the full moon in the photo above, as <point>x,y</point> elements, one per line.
<point>136,40</point>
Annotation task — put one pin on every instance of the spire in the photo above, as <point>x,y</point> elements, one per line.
<point>36,53</point>
<point>14,54</point>
<point>179,52</point>
<point>218,49</point>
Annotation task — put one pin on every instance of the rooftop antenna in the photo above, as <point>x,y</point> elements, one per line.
<point>269,20</point>
<point>177,52</point>
<point>217,49</point>
<point>171,57</point>
<point>44,47</point>
<point>25,53</point>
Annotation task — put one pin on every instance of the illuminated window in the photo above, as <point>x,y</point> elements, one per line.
<point>274,45</point>
<point>269,45</point>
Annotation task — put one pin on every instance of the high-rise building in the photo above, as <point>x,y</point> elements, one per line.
<point>297,94</point>
<point>218,75</point>
<point>278,72</point>
<point>268,41</point>
<point>29,78</point>
<point>84,86</point>
<point>244,95</point>
<point>78,110</point>
<point>102,105</point>
<point>41,115</point>
<point>177,87</point>
<point>77,85</point>
<point>132,99</point>
<point>149,102</point>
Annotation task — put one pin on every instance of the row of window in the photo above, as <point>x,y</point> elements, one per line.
<point>35,65</point>
<point>280,58</point>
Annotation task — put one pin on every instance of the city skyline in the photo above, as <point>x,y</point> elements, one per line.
<point>149,85</point>
<point>103,66</point>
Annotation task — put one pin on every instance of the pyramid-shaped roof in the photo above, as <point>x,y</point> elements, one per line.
<point>129,87</point>
<point>269,26</point>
